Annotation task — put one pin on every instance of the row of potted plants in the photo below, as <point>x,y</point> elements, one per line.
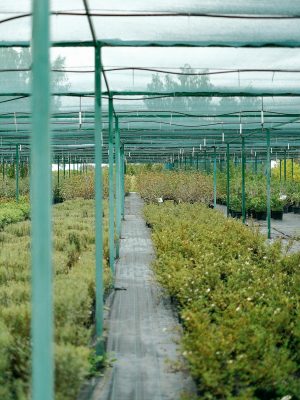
<point>285,196</point>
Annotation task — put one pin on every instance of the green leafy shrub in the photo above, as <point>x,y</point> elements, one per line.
<point>238,299</point>
<point>8,187</point>
<point>12,211</point>
<point>74,299</point>
<point>82,186</point>
<point>67,358</point>
<point>177,186</point>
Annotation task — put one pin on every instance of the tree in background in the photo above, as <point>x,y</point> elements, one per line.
<point>189,81</point>
<point>15,76</point>
<point>185,83</point>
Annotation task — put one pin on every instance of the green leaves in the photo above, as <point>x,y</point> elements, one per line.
<point>13,212</point>
<point>238,299</point>
<point>177,186</point>
<point>74,297</point>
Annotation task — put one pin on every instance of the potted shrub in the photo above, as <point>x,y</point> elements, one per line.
<point>236,206</point>
<point>296,200</point>
<point>259,206</point>
<point>288,189</point>
<point>277,206</point>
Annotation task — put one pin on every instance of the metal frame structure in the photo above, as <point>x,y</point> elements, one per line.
<point>106,136</point>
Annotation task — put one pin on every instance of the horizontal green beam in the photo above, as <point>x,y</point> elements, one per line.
<point>224,92</point>
<point>164,43</point>
<point>293,92</point>
<point>158,114</point>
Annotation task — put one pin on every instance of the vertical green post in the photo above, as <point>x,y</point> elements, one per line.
<point>268,172</point>
<point>41,255</point>
<point>215,178</point>
<point>228,178</point>
<point>3,169</point>
<point>64,163</point>
<point>111,187</point>
<point>123,181</point>
<point>292,166</point>
<point>118,187</point>
<point>197,161</point>
<point>284,166</point>
<point>280,169</point>
<point>17,172</point>
<point>98,202</point>
<point>205,162</point>
<point>243,181</point>
<point>69,165</point>
<point>58,166</point>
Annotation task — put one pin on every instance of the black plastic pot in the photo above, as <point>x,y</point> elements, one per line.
<point>288,208</point>
<point>251,213</point>
<point>261,215</point>
<point>236,214</point>
<point>277,214</point>
<point>296,210</point>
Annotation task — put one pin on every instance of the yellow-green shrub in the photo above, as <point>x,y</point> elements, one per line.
<point>178,186</point>
<point>74,297</point>
<point>238,299</point>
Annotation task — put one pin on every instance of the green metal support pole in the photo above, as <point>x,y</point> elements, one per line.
<point>41,199</point>
<point>69,166</point>
<point>243,181</point>
<point>215,178</point>
<point>111,188</point>
<point>205,162</point>
<point>228,178</point>
<point>268,171</point>
<point>58,166</point>
<point>3,169</point>
<point>235,161</point>
<point>64,163</point>
<point>280,169</point>
<point>17,172</point>
<point>118,188</point>
<point>197,161</point>
<point>292,166</point>
<point>284,166</point>
<point>123,181</point>
<point>98,203</point>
